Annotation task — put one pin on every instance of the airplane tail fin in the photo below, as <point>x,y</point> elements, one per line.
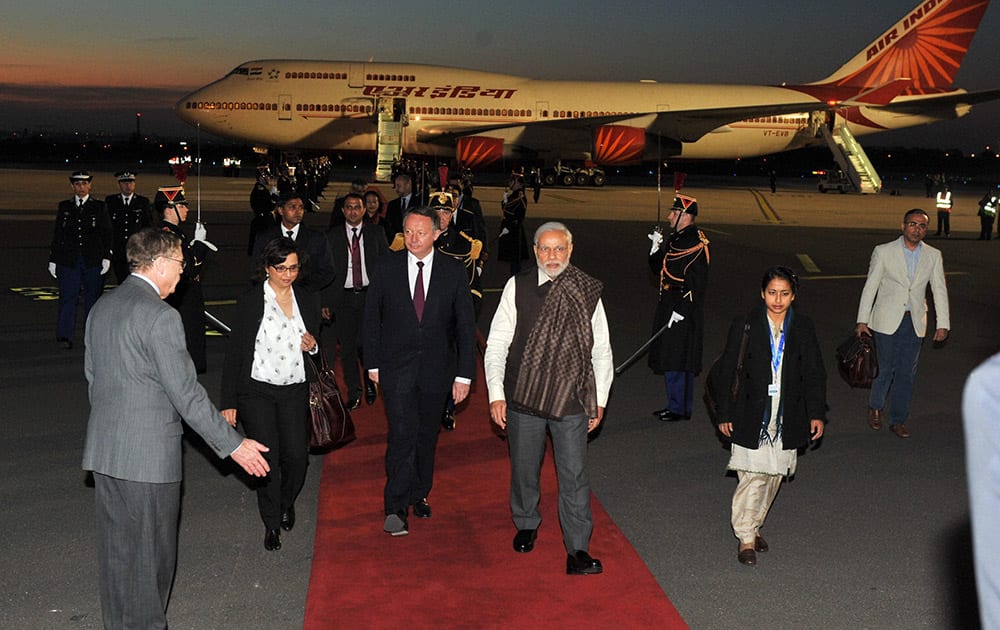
<point>926,46</point>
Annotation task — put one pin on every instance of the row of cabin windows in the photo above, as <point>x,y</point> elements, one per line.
<point>267,107</point>
<point>781,120</point>
<point>391,77</point>
<point>315,75</point>
<point>446,111</point>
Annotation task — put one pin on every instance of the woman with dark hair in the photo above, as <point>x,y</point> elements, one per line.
<point>375,209</point>
<point>265,379</point>
<point>780,406</point>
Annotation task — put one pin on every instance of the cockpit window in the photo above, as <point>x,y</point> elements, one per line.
<point>241,70</point>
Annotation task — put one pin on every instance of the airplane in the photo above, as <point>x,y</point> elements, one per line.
<point>901,79</point>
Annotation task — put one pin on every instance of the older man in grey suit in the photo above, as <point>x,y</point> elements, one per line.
<point>894,306</point>
<point>142,383</point>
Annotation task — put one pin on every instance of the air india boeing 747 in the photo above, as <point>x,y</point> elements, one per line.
<point>901,79</point>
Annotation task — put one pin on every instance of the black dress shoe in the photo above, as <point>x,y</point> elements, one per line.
<point>371,392</point>
<point>669,416</point>
<point>272,540</point>
<point>65,343</point>
<point>448,420</point>
<point>580,563</point>
<point>747,556</point>
<point>288,519</point>
<point>524,540</point>
<point>422,509</point>
<point>353,404</point>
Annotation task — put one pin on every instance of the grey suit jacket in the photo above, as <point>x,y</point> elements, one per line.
<point>889,292</point>
<point>142,383</point>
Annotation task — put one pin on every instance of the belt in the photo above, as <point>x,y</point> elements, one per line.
<point>353,290</point>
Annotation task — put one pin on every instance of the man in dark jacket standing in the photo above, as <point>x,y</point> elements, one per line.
<point>129,213</point>
<point>80,253</point>
<point>683,268</point>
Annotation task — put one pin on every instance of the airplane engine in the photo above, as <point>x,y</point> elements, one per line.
<point>475,151</point>
<point>619,144</point>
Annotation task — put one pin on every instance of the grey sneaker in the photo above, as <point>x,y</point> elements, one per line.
<point>395,524</point>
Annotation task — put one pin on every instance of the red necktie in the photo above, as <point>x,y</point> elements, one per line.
<point>358,281</point>
<point>418,292</point>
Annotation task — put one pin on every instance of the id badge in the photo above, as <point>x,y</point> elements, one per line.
<point>772,389</point>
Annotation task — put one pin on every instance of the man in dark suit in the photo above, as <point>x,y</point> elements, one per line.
<point>129,214</point>
<point>402,183</point>
<point>355,246</point>
<point>317,269</point>
<point>419,345</point>
<point>80,254</point>
<point>142,384</point>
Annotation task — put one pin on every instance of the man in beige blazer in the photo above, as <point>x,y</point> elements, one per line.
<point>894,308</point>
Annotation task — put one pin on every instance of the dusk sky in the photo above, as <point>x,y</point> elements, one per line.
<point>91,66</point>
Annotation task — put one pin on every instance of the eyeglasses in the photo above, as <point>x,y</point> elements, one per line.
<point>180,261</point>
<point>914,224</point>
<point>545,249</point>
<point>286,268</point>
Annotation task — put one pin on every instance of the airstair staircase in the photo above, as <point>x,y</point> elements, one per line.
<point>852,159</point>
<point>389,142</point>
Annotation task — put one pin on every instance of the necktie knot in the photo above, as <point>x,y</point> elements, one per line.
<point>289,233</point>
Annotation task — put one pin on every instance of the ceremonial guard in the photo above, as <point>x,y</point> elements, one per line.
<point>263,200</point>
<point>172,210</point>
<point>457,244</point>
<point>513,244</point>
<point>679,321</point>
<point>129,214</point>
<point>80,254</point>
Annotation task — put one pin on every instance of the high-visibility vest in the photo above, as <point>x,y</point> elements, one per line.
<point>944,201</point>
<point>990,207</point>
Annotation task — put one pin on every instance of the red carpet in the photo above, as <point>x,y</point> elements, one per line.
<point>457,569</point>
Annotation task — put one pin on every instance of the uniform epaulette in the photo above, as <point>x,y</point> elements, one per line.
<point>475,245</point>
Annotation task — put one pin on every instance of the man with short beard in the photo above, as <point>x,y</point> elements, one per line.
<point>550,374</point>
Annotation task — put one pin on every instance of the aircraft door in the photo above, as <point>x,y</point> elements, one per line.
<point>356,75</point>
<point>284,107</point>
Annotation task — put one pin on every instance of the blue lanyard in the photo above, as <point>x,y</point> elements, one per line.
<point>776,355</point>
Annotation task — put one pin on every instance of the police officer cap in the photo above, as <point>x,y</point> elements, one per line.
<point>80,176</point>
<point>125,176</point>
<point>686,204</point>
<point>442,201</point>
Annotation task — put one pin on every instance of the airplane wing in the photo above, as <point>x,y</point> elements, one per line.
<point>950,101</point>
<point>681,125</point>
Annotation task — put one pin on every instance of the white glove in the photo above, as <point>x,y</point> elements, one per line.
<point>657,237</point>
<point>674,318</point>
<point>504,231</point>
<point>105,265</point>
<point>199,231</point>
<point>208,245</point>
<point>52,270</point>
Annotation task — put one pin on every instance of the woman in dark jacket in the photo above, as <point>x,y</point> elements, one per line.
<point>780,406</point>
<point>265,379</point>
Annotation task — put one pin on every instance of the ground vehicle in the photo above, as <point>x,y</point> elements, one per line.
<point>570,174</point>
<point>833,180</point>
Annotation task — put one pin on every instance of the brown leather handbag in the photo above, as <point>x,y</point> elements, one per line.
<point>857,361</point>
<point>330,422</point>
<point>714,378</point>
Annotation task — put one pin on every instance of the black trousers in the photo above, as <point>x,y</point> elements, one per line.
<point>414,422</point>
<point>348,316</point>
<point>277,416</point>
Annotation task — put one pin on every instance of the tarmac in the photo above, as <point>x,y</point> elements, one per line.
<point>873,532</point>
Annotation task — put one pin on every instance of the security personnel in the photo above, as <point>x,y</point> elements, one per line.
<point>683,267</point>
<point>172,210</point>
<point>987,213</point>
<point>944,203</point>
<point>80,253</point>
<point>457,244</point>
<point>129,214</point>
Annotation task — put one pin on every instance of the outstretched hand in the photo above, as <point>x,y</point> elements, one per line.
<point>249,457</point>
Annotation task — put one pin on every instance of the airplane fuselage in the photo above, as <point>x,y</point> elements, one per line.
<point>333,105</point>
